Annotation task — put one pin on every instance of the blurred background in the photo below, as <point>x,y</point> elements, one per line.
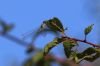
<point>28,15</point>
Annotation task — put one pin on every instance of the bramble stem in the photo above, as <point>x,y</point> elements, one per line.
<point>94,45</point>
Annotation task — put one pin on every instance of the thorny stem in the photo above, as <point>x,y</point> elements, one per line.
<point>94,45</point>
<point>84,41</point>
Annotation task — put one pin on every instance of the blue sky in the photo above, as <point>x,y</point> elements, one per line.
<point>28,15</point>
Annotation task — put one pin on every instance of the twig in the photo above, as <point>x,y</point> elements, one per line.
<point>94,45</point>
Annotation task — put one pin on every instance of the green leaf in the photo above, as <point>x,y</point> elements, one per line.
<point>51,44</point>
<point>76,59</point>
<point>97,49</point>
<point>93,58</point>
<point>54,24</point>
<point>58,23</point>
<point>86,52</point>
<point>89,51</point>
<point>88,29</point>
<point>34,59</point>
<point>68,45</point>
<point>37,57</point>
<point>90,54</point>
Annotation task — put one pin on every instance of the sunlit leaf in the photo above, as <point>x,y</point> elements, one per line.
<point>93,58</point>
<point>89,51</point>
<point>97,49</point>
<point>86,52</point>
<point>88,29</point>
<point>68,45</point>
<point>50,45</point>
<point>58,23</point>
<point>90,54</point>
<point>34,59</point>
<point>38,56</point>
<point>74,56</point>
<point>55,24</point>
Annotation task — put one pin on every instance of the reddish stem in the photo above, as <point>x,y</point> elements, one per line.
<point>94,45</point>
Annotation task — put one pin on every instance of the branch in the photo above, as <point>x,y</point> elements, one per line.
<point>94,45</point>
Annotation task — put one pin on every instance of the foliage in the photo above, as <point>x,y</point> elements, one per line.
<point>44,58</point>
<point>88,30</point>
